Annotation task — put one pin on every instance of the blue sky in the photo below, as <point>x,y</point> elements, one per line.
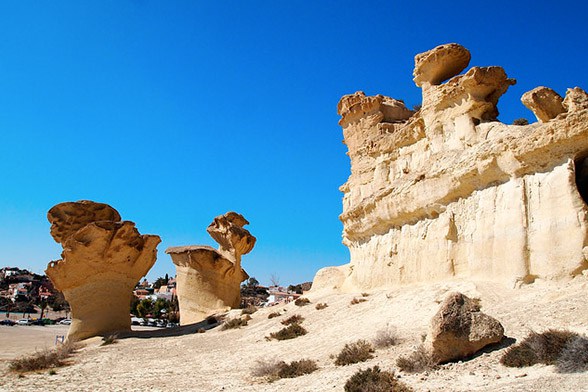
<point>175,112</point>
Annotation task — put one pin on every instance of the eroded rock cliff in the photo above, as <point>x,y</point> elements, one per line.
<point>449,191</point>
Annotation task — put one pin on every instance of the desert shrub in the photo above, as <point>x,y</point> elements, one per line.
<point>290,332</point>
<point>301,301</point>
<point>295,319</point>
<point>546,348</point>
<point>356,301</point>
<point>365,294</point>
<point>375,380</point>
<point>386,338</point>
<point>234,323</point>
<point>249,310</point>
<point>321,306</point>
<point>418,361</point>
<point>45,359</point>
<point>201,330</point>
<point>110,339</point>
<point>297,368</point>
<point>273,369</point>
<point>274,314</point>
<point>574,356</point>
<point>520,121</point>
<point>52,372</point>
<point>359,351</point>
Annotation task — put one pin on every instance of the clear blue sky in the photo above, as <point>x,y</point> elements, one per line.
<point>174,112</point>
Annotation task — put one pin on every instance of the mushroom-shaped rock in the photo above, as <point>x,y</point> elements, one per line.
<point>440,64</point>
<point>208,280</point>
<point>576,99</point>
<point>102,260</point>
<point>352,107</point>
<point>545,103</point>
<point>459,329</point>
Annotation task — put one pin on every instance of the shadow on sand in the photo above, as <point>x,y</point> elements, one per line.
<point>201,326</point>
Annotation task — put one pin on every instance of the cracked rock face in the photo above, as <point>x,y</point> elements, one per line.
<point>209,280</point>
<point>103,258</point>
<point>450,192</point>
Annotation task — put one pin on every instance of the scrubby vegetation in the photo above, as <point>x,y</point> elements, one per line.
<point>359,351</point>
<point>321,306</point>
<point>234,323</point>
<point>301,301</point>
<point>274,369</point>
<point>47,359</point>
<point>520,121</point>
<point>375,380</point>
<point>565,349</point>
<point>356,301</point>
<point>295,319</point>
<point>274,314</point>
<point>386,338</point>
<point>249,310</point>
<point>418,361</point>
<point>110,339</point>
<point>290,332</point>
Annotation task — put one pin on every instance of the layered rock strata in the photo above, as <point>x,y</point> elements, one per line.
<point>208,279</point>
<point>449,191</point>
<point>103,258</point>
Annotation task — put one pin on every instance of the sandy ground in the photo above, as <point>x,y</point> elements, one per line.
<point>222,360</point>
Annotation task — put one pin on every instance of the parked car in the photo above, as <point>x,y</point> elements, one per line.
<point>7,322</point>
<point>24,321</point>
<point>136,320</point>
<point>171,325</point>
<point>65,322</point>
<point>160,323</point>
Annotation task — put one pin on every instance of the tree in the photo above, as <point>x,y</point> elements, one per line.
<point>252,282</point>
<point>275,280</point>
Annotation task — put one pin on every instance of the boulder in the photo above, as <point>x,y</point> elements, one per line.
<point>545,103</point>
<point>459,329</point>
<point>208,279</point>
<point>103,259</point>
<point>440,64</point>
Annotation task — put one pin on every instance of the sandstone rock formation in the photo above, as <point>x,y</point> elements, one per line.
<point>450,192</point>
<point>545,103</point>
<point>459,329</point>
<point>102,261</point>
<point>209,280</point>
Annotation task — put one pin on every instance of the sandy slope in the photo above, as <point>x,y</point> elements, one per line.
<point>222,360</point>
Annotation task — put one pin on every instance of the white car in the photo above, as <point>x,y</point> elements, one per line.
<point>65,322</point>
<point>24,321</point>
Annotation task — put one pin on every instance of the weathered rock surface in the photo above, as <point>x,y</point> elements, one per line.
<point>450,192</point>
<point>102,261</point>
<point>209,280</point>
<point>545,103</point>
<point>459,329</point>
<point>440,64</point>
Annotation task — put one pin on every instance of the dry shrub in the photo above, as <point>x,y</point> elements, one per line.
<point>321,306</point>
<point>295,319</point>
<point>359,351</point>
<point>297,368</point>
<point>418,361</point>
<point>234,323</point>
<point>356,301</point>
<point>520,121</point>
<point>574,356</point>
<point>375,380</point>
<point>547,348</point>
<point>45,359</point>
<point>273,369</point>
<point>249,310</point>
<point>290,332</point>
<point>301,301</point>
<point>110,339</point>
<point>386,338</point>
<point>365,294</point>
<point>274,314</point>
<point>201,330</point>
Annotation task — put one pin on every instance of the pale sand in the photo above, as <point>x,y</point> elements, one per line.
<point>222,360</point>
